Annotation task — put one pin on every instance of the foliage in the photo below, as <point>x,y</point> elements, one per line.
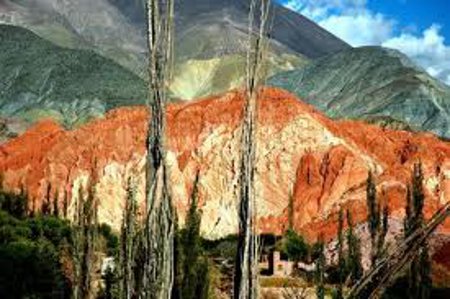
<point>15,205</point>
<point>295,247</point>
<point>342,273</point>
<point>111,239</point>
<point>419,272</point>
<point>377,219</point>
<point>320,270</point>
<point>30,252</point>
<point>354,256</point>
<point>193,267</point>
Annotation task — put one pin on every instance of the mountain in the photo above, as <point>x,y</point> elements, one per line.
<point>321,162</point>
<point>210,40</point>
<point>372,83</point>
<point>39,79</point>
<point>79,24</point>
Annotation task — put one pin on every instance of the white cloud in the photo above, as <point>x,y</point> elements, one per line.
<point>428,50</point>
<point>353,22</point>
<point>360,30</point>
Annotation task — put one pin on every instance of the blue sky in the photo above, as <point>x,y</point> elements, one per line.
<point>418,28</point>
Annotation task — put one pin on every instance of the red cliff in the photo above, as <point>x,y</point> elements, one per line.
<point>323,163</point>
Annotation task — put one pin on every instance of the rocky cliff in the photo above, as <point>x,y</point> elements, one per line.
<point>323,163</point>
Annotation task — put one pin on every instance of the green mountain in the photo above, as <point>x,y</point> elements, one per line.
<point>39,79</point>
<point>211,37</point>
<point>372,83</point>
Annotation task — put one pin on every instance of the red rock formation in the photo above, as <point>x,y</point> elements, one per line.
<point>324,163</point>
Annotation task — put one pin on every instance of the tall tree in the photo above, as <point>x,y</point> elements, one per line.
<point>127,244</point>
<point>341,258</point>
<point>320,270</point>
<point>246,271</point>
<point>291,212</point>
<point>419,271</point>
<point>159,232</point>
<point>84,239</point>
<point>354,259</point>
<point>194,266</point>
<point>377,220</point>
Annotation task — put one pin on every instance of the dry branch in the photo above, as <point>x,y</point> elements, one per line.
<point>386,269</point>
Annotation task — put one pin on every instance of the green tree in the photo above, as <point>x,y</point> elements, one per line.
<point>377,220</point>
<point>295,247</point>
<point>342,269</point>
<point>128,243</point>
<point>194,267</point>
<point>30,252</point>
<point>354,256</point>
<point>419,273</point>
<point>319,273</point>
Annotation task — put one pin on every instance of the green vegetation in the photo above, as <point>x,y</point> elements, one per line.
<point>70,86</point>
<point>37,251</point>
<point>354,262</point>
<point>419,272</point>
<point>193,281</point>
<point>319,277</point>
<point>32,252</point>
<point>377,220</point>
<point>295,247</point>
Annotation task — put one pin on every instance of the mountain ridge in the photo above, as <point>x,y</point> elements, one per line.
<point>40,79</point>
<point>323,163</point>
<point>372,82</point>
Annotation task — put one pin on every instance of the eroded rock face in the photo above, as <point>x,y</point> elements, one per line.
<point>322,163</point>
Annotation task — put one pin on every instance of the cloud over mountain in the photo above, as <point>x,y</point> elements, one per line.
<point>355,23</point>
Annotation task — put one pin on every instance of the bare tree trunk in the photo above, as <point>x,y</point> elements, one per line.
<point>246,271</point>
<point>159,231</point>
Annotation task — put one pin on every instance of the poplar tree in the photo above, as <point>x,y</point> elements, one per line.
<point>354,255</point>
<point>158,243</point>
<point>291,212</point>
<point>341,257</point>
<point>320,270</point>
<point>246,270</point>
<point>377,220</point>
<point>84,232</point>
<point>194,266</point>
<point>127,244</point>
<point>419,273</point>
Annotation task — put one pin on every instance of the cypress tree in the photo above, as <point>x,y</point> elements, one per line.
<point>55,205</point>
<point>341,258</point>
<point>377,220</point>
<point>320,270</point>
<point>194,268</point>
<point>65,204</point>
<point>354,252</point>
<point>419,273</point>
<point>46,206</point>
<point>84,237</point>
<point>291,211</point>
<point>128,246</point>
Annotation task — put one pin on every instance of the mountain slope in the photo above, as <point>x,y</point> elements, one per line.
<point>323,163</point>
<point>372,82</point>
<point>39,79</point>
<point>208,32</point>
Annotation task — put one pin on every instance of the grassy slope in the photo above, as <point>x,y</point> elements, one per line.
<point>40,79</point>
